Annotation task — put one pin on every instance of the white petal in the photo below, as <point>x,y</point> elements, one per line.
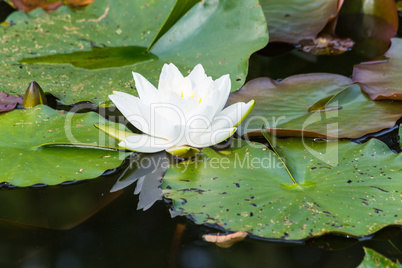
<point>199,80</point>
<point>161,120</point>
<point>218,95</point>
<point>197,74</point>
<point>186,105</point>
<point>233,115</point>
<point>170,77</point>
<point>245,110</point>
<point>169,130</point>
<point>133,110</point>
<point>184,87</point>
<point>145,144</point>
<point>200,118</point>
<point>207,106</point>
<point>209,138</point>
<point>203,88</point>
<point>172,70</point>
<point>124,94</point>
<point>146,91</point>
<point>223,85</point>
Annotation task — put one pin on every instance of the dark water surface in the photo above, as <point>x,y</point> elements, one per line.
<point>119,235</point>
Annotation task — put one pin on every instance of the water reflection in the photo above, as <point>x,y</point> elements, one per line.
<point>147,170</point>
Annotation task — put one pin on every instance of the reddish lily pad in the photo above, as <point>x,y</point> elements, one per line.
<point>382,79</point>
<point>371,24</point>
<point>382,9</point>
<point>295,20</point>
<point>8,102</point>
<point>49,5</point>
<point>314,105</point>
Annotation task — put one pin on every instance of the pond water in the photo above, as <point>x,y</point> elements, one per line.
<point>84,225</point>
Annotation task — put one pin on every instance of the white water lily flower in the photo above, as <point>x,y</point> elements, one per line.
<point>183,114</point>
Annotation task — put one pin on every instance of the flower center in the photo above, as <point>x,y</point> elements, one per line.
<point>186,94</point>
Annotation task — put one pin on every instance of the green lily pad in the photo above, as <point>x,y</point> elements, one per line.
<point>382,79</point>
<point>293,20</point>
<point>32,151</point>
<point>84,55</point>
<point>374,259</point>
<point>400,135</point>
<point>341,187</point>
<point>314,105</point>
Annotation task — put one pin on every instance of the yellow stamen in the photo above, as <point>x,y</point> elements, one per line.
<point>192,95</point>
<point>200,100</point>
<point>181,94</point>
